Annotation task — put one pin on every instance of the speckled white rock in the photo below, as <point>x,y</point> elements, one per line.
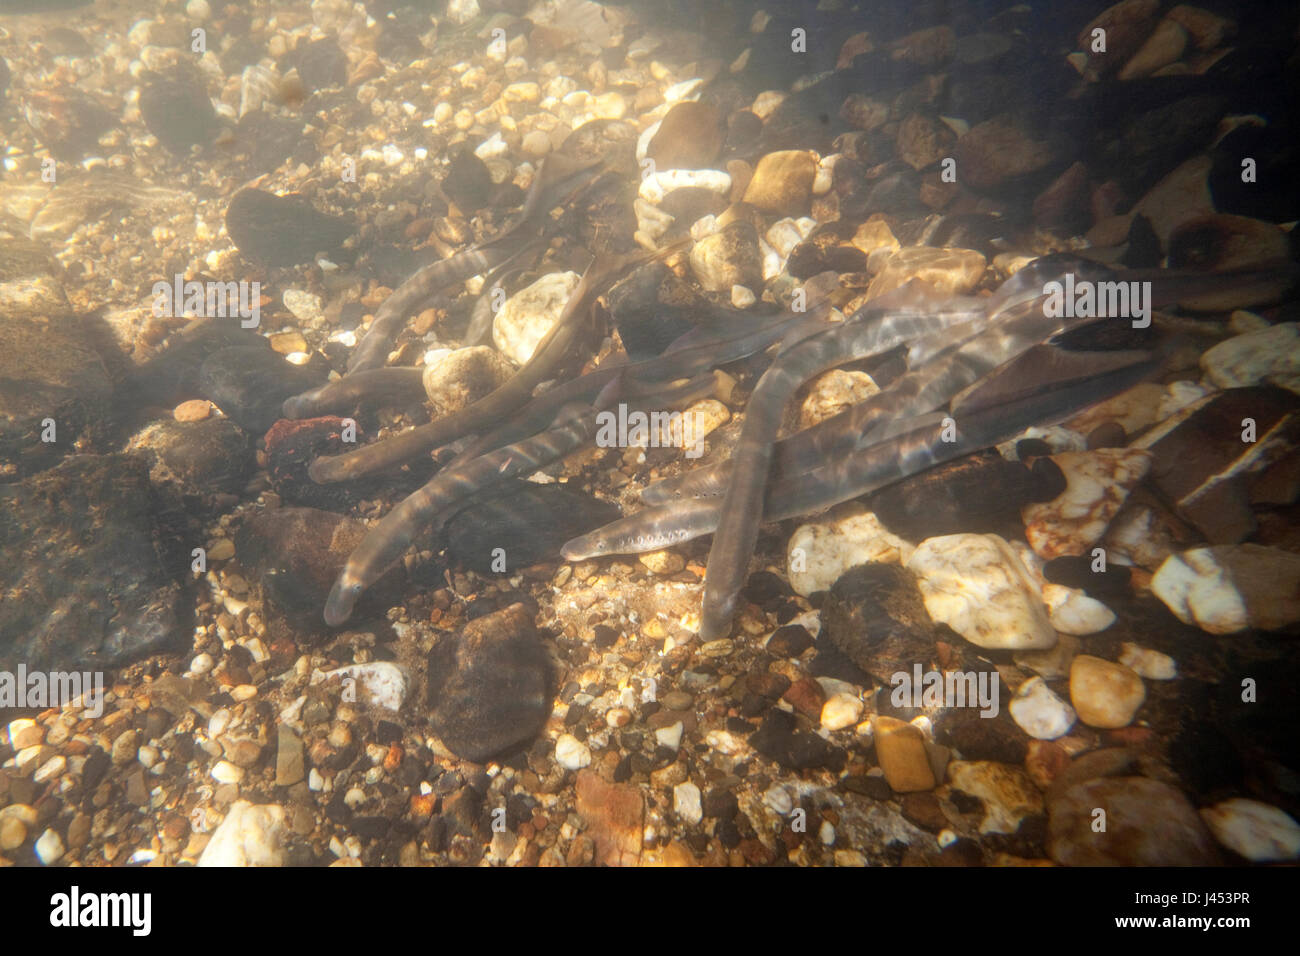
<point>695,424</point>
<point>455,378</point>
<point>1007,792</point>
<point>1039,712</point>
<point>1270,356</point>
<point>378,683</point>
<point>742,297</point>
<point>1147,663</point>
<point>832,393</point>
<point>248,836</point>
<point>223,771</point>
<point>686,803</point>
<point>655,187</point>
<point>571,753</point>
<point>1070,610</point>
<point>651,222</point>
<point>49,847</point>
<point>841,710</point>
<point>1105,694</point>
<point>1098,483</point>
<point>976,585</point>
<point>1227,588</point>
<point>304,306</point>
<point>820,552</point>
<point>1259,832</point>
<point>530,313</point>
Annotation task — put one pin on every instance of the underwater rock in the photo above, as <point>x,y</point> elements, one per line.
<point>489,686</point>
<point>175,107</point>
<point>526,522</point>
<point>689,137</point>
<point>468,182</point>
<point>782,182</point>
<point>248,836</point>
<point>93,569</point>
<point>1007,793</point>
<point>1146,663</point>
<point>296,555</point>
<point>1257,831</point>
<point>875,615</point>
<point>833,392</point>
<point>196,459</point>
<point>1165,45</point>
<point>292,445</point>
<point>282,230</point>
<point>250,384</point>
<point>1148,823</point>
<point>1228,588</point>
<point>729,257</point>
<point>827,247</point>
<point>1126,26</point>
<point>67,122</point>
<point>321,64</point>
<point>1104,694</point>
<point>54,392</point>
<point>778,738</point>
<point>530,313</point>
<point>982,492</point>
<point>460,377</point>
<point>901,753</point>
<point>172,376</point>
<point>820,552</point>
<point>977,586</point>
<point>999,151</point>
<point>1268,356</point>
<point>924,140</point>
<point>1097,485</point>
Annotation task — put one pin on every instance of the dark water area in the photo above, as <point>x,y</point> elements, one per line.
<point>487,432</point>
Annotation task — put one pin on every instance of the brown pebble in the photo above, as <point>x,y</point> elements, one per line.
<point>1107,435</point>
<point>195,410</point>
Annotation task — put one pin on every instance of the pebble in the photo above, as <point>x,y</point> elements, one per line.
<point>1105,694</point>
<point>248,836</point>
<point>782,182</point>
<point>686,803</point>
<point>1267,356</point>
<point>223,771</point>
<point>49,848</point>
<point>818,553</point>
<point>1147,663</point>
<point>378,683</point>
<point>663,562</point>
<point>977,586</point>
<point>832,393</point>
<point>1098,483</point>
<point>728,258</point>
<point>655,188</point>
<point>1039,712</point>
<point>840,711</point>
<point>571,753</point>
<point>900,750</point>
<point>670,736</point>
<point>24,732</point>
<point>1257,831</point>
<point>202,664</point>
<point>195,410</point>
<point>530,313</point>
<point>1229,588</point>
<point>1007,792</point>
<point>13,831</point>
<point>454,379</point>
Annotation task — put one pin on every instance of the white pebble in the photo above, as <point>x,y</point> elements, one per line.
<point>571,753</point>
<point>686,803</point>
<point>49,847</point>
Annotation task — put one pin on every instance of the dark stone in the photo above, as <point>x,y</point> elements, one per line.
<point>605,636</point>
<point>468,183</point>
<point>779,739</point>
<point>172,376</point>
<point>175,107</point>
<point>923,810</point>
<point>789,641</point>
<point>67,122</point>
<point>264,142</point>
<point>689,137</point>
<point>196,459</point>
<point>764,587</point>
<point>282,230</point>
<point>93,567</point>
<point>979,493</point>
<point>250,384</point>
<point>490,686</point>
<point>291,447</point>
<point>876,616</point>
<point>321,64</point>
<point>721,804</point>
<point>463,812</point>
<point>868,785</point>
<point>984,738</point>
<point>1077,572</point>
<point>297,553</point>
<point>527,520</point>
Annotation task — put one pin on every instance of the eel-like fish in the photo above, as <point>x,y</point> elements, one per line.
<point>388,384</point>
<point>1020,395</point>
<point>869,333</point>
<point>385,543</point>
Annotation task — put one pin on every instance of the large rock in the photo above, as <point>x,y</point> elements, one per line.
<point>530,313</point>
<point>1230,588</point>
<point>875,615</point>
<point>1147,823</point>
<point>92,569</point>
<point>489,686</point>
<point>250,384</point>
